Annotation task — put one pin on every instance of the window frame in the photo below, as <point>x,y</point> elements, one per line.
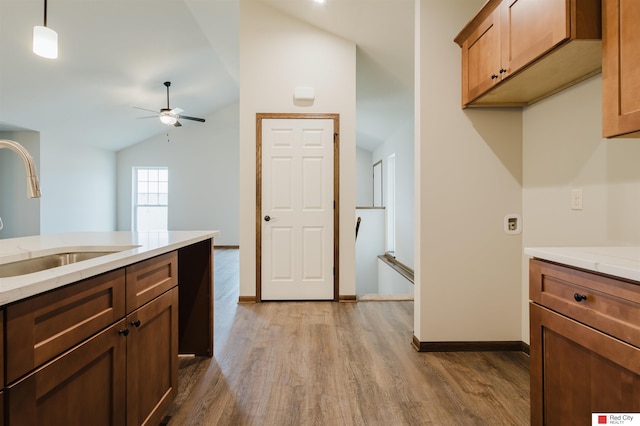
<point>135,193</point>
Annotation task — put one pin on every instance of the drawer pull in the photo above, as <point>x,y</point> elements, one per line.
<point>124,332</point>
<point>579,297</point>
<point>136,323</point>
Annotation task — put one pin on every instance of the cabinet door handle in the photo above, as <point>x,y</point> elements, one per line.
<point>136,323</point>
<point>494,76</point>
<point>502,70</point>
<point>579,297</point>
<point>124,332</point>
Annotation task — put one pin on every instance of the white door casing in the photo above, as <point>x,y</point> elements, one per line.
<point>297,250</point>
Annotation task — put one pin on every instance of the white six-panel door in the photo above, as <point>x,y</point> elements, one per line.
<point>297,235</point>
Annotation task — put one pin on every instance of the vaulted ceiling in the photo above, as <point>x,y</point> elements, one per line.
<point>116,54</point>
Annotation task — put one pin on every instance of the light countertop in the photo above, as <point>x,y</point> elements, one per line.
<point>623,262</point>
<point>130,247</point>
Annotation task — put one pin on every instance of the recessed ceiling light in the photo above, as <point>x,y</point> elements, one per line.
<point>320,1</point>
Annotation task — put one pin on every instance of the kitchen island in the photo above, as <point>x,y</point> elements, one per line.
<point>585,333</point>
<point>96,341</point>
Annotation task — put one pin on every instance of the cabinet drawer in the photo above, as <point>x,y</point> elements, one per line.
<point>602,302</point>
<point>40,328</point>
<point>150,278</point>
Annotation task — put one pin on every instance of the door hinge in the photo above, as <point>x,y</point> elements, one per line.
<point>335,137</point>
<point>334,204</point>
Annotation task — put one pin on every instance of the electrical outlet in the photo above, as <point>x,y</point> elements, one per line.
<point>512,224</point>
<point>576,199</point>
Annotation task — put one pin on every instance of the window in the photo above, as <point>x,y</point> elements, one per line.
<point>150,199</point>
<point>391,203</point>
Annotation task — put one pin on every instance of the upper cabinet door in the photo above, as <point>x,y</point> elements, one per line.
<point>532,28</point>
<point>481,58</point>
<point>620,65</point>
<point>516,52</point>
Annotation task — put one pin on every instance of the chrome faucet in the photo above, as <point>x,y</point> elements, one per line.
<point>33,186</point>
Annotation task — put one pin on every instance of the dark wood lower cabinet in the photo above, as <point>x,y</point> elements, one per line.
<point>576,369</point>
<point>76,356</point>
<point>84,386</point>
<point>152,359</point>
<point>114,374</point>
<point>579,371</point>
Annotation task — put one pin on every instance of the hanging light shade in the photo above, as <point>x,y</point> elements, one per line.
<point>45,40</point>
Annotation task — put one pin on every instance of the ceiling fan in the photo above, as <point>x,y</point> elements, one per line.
<point>170,116</point>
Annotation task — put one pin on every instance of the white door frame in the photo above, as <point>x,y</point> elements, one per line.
<point>336,192</point>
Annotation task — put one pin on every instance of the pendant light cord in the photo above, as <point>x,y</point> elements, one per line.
<point>45,13</point>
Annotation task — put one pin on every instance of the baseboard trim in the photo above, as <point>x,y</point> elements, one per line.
<point>246,299</point>
<point>347,298</point>
<point>499,346</point>
<point>225,247</point>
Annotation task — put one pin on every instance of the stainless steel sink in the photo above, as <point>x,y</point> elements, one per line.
<point>42,263</point>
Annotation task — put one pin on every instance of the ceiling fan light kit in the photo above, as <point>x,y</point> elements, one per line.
<point>167,118</point>
<point>171,116</point>
<point>45,40</point>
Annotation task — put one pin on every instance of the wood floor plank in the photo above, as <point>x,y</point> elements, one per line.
<point>326,363</point>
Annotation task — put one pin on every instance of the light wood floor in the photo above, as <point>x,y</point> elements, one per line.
<point>326,363</point>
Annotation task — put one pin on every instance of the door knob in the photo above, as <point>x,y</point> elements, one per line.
<point>267,218</point>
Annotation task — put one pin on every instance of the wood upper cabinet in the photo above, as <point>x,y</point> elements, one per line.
<point>531,28</point>
<point>585,344</point>
<point>516,52</point>
<point>621,62</point>
<point>481,58</point>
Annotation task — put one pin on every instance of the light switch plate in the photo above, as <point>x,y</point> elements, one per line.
<point>576,199</point>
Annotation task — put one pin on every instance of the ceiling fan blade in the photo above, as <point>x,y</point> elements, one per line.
<point>192,118</point>
<point>149,110</point>
<point>147,116</point>
<point>177,111</point>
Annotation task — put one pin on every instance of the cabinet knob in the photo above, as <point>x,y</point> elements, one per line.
<point>136,323</point>
<point>124,332</point>
<point>494,76</point>
<point>502,70</point>
<point>579,297</point>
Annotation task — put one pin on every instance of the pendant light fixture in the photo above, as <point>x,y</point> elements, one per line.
<point>45,40</point>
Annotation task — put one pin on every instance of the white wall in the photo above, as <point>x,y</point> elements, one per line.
<point>77,183</point>
<point>369,245</point>
<point>203,174</point>
<point>468,177</point>
<point>563,149</point>
<point>78,186</point>
<point>391,281</point>
<point>20,214</point>
<point>401,143</point>
<point>364,178</point>
<point>277,54</point>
